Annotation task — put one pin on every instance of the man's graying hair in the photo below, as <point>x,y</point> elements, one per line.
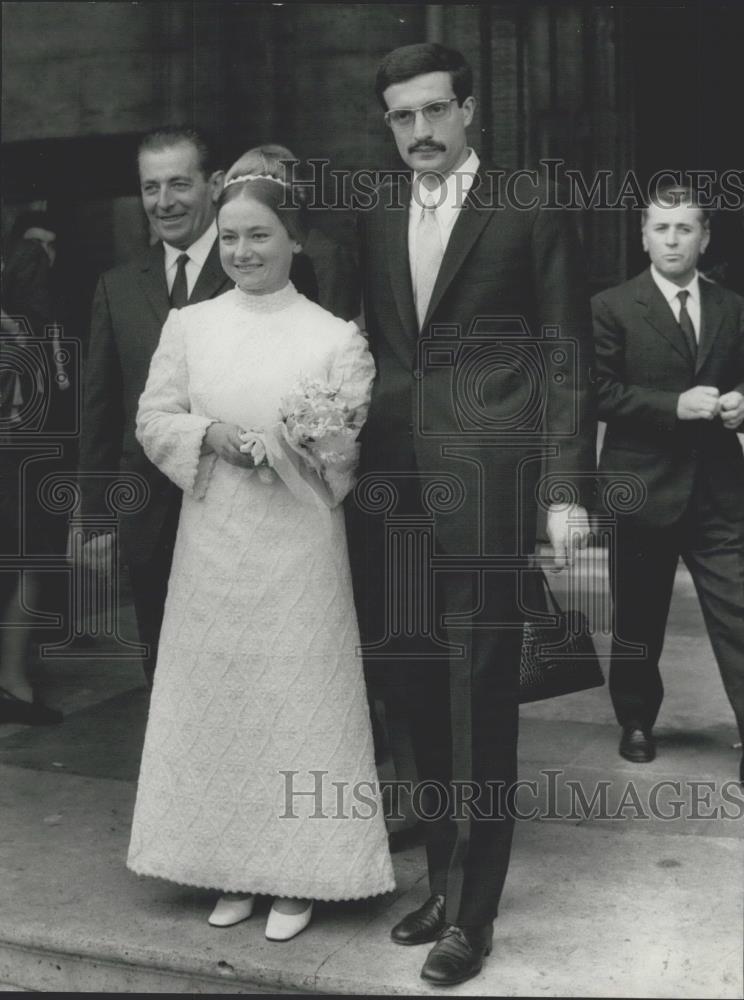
<point>167,136</point>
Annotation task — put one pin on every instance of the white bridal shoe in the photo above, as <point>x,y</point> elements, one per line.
<point>231,910</point>
<point>283,926</point>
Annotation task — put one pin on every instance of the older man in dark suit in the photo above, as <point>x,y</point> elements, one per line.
<point>179,186</point>
<point>478,318</point>
<point>670,362</point>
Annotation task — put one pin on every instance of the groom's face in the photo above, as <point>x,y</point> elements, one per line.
<point>439,146</point>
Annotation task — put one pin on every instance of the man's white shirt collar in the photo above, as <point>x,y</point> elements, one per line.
<point>198,251</point>
<point>670,291</point>
<point>448,197</point>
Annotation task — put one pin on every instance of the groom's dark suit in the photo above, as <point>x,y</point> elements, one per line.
<point>463,403</point>
<point>129,309</point>
<point>692,472</point>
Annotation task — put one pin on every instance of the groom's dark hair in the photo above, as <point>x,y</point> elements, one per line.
<point>424,57</point>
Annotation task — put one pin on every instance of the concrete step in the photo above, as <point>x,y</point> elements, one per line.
<point>593,907</point>
<point>619,904</point>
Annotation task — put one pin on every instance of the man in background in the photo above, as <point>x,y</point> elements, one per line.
<point>180,184</point>
<point>670,363</point>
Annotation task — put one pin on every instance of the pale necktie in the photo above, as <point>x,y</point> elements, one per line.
<point>429,253</point>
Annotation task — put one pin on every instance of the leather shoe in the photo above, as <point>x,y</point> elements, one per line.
<point>458,955</point>
<point>637,746</point>
<point>30,713</point>
<point>423,925</point>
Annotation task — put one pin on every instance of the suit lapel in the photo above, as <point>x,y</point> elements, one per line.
<point>711,319</point>
<point>659,315</point>
<point>396,212</point>
<point>470,222</point>
<point>212,279</point>
<point>152,278</point>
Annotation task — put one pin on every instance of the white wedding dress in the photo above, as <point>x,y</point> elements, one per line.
<point>259,695</point>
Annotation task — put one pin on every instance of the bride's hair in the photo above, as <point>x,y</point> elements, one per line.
<point>271,192</point>
<point>271,160</point>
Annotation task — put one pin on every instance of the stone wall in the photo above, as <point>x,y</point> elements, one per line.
<point>81,82</point>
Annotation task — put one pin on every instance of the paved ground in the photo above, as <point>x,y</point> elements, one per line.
<point>624,905</point>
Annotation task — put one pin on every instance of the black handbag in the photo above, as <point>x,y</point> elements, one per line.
<point>559,658</point>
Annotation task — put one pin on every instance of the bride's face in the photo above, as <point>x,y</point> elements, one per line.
<point>255,248</point>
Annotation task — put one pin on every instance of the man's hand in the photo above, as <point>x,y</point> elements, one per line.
<point>699,403</point>
<point>225,441</point>
<point>731,408</point>
<point>568,530</point>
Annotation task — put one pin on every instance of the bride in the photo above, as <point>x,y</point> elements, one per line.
<point>257,773</point>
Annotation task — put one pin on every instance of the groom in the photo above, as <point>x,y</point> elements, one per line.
<point>472,398</point>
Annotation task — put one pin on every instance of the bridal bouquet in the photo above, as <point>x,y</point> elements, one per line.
<point>313,448</point>
<point>322,430</point>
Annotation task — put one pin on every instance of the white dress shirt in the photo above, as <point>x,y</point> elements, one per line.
<point>670,291</point>
<point>447,199</point>
<point>197,252</point>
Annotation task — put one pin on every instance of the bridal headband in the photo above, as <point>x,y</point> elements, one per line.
<point>255,177</point>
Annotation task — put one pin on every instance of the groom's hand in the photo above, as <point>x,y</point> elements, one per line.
<point>568,530</point>
<point>225,441</point>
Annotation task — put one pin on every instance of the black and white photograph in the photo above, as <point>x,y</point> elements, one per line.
<point>372,498</point>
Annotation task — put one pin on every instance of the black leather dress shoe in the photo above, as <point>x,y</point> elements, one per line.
<point>637,746</point>
<point>29,713</point>
<point>458,955</point>
<point>423,925</point>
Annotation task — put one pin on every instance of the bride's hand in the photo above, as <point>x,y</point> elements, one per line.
<point>225,441</point>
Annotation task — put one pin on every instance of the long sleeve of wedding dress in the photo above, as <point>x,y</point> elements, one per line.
<point>170,433</point>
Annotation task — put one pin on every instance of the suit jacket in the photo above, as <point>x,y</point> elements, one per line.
<point>129,309</point>
<point>335,272</point>
<point>643,365</point>
<point>476,391</point>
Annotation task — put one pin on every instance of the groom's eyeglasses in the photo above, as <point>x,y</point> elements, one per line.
<point>435,111</point>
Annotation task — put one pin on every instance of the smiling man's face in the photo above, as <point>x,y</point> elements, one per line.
<point>177,197</point>
<point>439,146</point>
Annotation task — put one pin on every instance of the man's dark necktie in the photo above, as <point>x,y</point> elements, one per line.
<point>179,295</point>
<point>686,323</point>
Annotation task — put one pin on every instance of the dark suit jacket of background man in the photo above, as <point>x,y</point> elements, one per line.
<point>692,472</point>
<point>129,309</point>
<point>643,366</point>
<point>509,264</point>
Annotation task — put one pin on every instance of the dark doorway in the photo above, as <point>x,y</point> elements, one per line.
<point>686,66</point>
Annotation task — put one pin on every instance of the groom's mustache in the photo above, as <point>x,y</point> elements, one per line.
<point>427,147</point>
